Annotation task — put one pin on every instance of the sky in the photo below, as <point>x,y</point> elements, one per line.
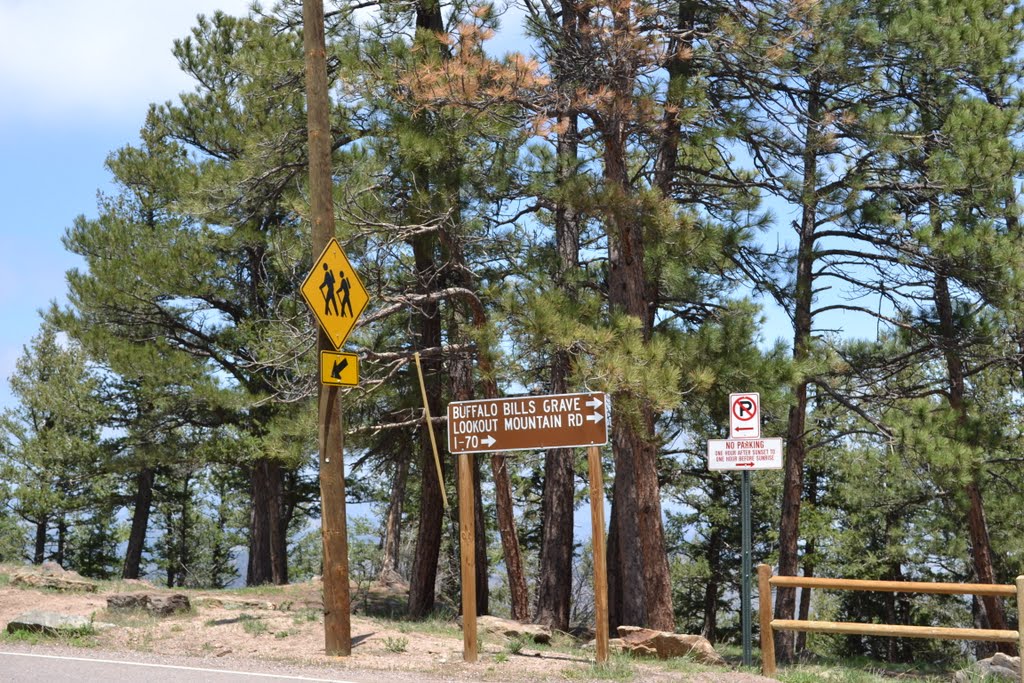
<point>76,79</point>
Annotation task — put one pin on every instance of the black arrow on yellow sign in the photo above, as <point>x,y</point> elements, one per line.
<point>339,369</point>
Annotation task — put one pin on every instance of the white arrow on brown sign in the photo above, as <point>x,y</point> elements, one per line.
<point>528,423</point>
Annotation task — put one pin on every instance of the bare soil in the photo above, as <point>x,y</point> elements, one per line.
<point>285,624</point>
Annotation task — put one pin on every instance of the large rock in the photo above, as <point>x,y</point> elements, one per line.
<point>51,575</point>
<point>645,642</point>
<point>512,629</point>
<point>50,623</point>
<point>157,604</point>
<point>998,666</point>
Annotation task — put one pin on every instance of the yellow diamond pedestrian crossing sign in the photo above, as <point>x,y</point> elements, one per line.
<point>334,293</point>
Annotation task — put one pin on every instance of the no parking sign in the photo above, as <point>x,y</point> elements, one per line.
<point>745,415</point>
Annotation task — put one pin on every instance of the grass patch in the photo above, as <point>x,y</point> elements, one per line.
<point>254,626</point>
<point>515,645</point>
<point>860,672</point>
<point>396,645</point>
<point>5,580</point>
<point>79,637</point>
<point>308,615</point>
<point>282,634</point>
<point>135,618</point>
<point>617,668</point>
<point>437,626</point>
<point>501,657</point>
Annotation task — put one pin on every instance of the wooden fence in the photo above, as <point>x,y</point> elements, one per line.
<point>765,581</point>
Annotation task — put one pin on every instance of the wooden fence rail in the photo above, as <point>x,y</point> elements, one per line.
<point>765,581</point>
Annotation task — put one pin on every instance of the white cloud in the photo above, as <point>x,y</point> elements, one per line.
<point>65,59</point>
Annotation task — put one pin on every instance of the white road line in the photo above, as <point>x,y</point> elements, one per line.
<point>180,668</point>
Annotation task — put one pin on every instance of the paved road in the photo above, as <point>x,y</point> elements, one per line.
<point>25,665</point>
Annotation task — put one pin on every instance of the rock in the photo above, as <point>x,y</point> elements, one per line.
<point>645,642</point>
<point>51,575</point>
<point>166,605</point>
<point>512,629</point>
<point>156,604</point>
<point>123,602</point>
<point>50,623</point>
<point>998,666</point>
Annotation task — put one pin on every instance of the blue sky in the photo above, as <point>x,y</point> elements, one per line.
<point>75,81</point>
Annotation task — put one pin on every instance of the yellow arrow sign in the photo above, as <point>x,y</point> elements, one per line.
<point>334,293</point>
<point>339,369</point>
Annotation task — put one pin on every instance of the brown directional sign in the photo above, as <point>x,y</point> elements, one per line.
<point>527,423</point>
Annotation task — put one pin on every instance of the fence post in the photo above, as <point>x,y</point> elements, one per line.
<point>764,600</point>
<point>1020,625</point>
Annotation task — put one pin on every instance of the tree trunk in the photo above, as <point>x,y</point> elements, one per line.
<point>808,563</point>
<point>62,539</point>
<point>39,553</point>
<point>184,559</point>
<point>642,560</point>
<point>714,555</point>
<point>393,526</point>
<point>268,552</point>
<point>554,580</point>
<point>483,570</point>
<point>981,546</point>
<point>140,523</point>
<point>428,533</point>
<point>805,600</point>
<point>796,447</point>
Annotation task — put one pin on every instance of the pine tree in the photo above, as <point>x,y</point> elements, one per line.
<point>54,458</point>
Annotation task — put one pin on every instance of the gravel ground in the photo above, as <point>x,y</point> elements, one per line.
<point>280,630</point>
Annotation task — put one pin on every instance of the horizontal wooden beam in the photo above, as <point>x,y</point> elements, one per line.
<point>895,586</point>
<point>896,631</point>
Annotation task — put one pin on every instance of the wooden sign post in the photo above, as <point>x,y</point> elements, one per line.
<point>598,548</point>
<point>467,551</point>
<point>529,423</point>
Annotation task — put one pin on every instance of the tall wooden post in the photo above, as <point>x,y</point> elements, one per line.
<point>337,601</point>
<point>764,597</point>
<point>600,560</point>
<point>1020,624</point>
<point>467,551</point>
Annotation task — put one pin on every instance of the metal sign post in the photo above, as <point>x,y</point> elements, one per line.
<point>745,571</point>
<point>743,451</point>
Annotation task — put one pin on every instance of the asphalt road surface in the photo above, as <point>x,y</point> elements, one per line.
<point>34,665</point>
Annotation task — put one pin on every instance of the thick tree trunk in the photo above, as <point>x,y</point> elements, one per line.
<point>140,523</point>
<point>642,560</point>
<point>796,447</point>
<point>268,553</point>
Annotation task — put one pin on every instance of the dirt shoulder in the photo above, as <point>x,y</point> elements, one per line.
<point>285,625</point>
